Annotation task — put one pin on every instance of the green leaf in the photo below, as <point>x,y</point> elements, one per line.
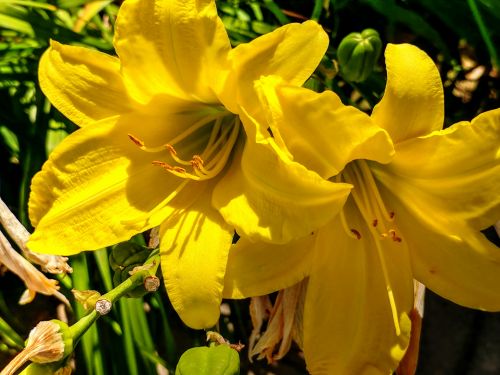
<point>214,360</point>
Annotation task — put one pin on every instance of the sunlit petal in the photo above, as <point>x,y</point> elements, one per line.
<point>456,173</point>
<point>83,84</point>
<point>194,248</point>
<point>412,104</point>
<point>450,258</point>
<point>256,269</point>
<point>292,52</point>
<point>175,47</point>
<point>319,131</point>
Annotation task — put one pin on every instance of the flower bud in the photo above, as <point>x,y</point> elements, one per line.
<point>358,54</point>
<point>124,258</point>
<point>213,360</point>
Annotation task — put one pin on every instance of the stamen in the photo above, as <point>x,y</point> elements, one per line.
<point>176,171</point>
<point>373,188</point>
<point>360,200</point>
<point>209,150</point>
<point>174,156</point>
<point>193,128</point>
<point>215,165</point>
<point>390,293</point>
<point>353,233</point>
<point>197,125</point>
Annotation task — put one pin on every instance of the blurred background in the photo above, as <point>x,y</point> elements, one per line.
<point>144,335</point>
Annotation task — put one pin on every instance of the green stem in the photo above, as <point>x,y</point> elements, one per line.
<point>484,33</point>
<point>80,327</point>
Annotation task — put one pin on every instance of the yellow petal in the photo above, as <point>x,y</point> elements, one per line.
<point>413,102</point>
<point>266,196</point>
<point>194,247</point>
<point>455,172</point>
<point>291,52</point>
<point>349,327</point>
<point>175,47</point>
<point>257,269</point>
<point>319,131</point>
<point>98,178</point>
<point>83,84</point>
<point>449,257</point>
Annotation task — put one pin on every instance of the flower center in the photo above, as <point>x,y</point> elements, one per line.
<point>222,129</point>
<point>209,141</point>
<point>379,220</point>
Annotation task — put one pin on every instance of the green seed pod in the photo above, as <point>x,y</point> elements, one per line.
<point>127,254</point>
<point>358,53</point>
<point>213,360</point>
<point>124,258</point>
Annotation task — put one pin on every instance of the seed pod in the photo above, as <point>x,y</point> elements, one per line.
<point>358,53</point>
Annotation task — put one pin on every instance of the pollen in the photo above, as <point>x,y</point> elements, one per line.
<point>394,236</point>
<point>136,140</point>
<point>356,233</point>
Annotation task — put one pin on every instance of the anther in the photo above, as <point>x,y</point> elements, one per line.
<point>198,159</point>
<point>392,214</point>
<point>136,140</point>
<point>356,233</point>
<point>171,149</point>
<point>375,222</point>
<point>179,169</point>
<point>162,164</point>
<point>394,236</point>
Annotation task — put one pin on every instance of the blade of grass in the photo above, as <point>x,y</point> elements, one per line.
<point>92,354</point>
<point>166,334</point>
<point>127,339</point>
<point>276,10</point>
<point>9,336</point>
<point>483,29</point>
<point>317,10</point>
<point>101,258</point>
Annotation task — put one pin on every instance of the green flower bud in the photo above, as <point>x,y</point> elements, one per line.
<point>213,360</point>
<point>358,54</point>
<point>123,259</point>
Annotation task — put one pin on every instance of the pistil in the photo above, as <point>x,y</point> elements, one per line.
<point>378,219</point>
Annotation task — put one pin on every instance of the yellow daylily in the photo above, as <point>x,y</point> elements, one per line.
<point>414,213</point>
<point>169,130</point>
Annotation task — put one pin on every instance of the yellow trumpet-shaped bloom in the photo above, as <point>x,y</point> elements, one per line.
<point>415,212</point>
<point>172,135</point>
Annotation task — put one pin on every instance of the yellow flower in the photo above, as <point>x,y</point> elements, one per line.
<point>415,212</point>
<point>168,135</point>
